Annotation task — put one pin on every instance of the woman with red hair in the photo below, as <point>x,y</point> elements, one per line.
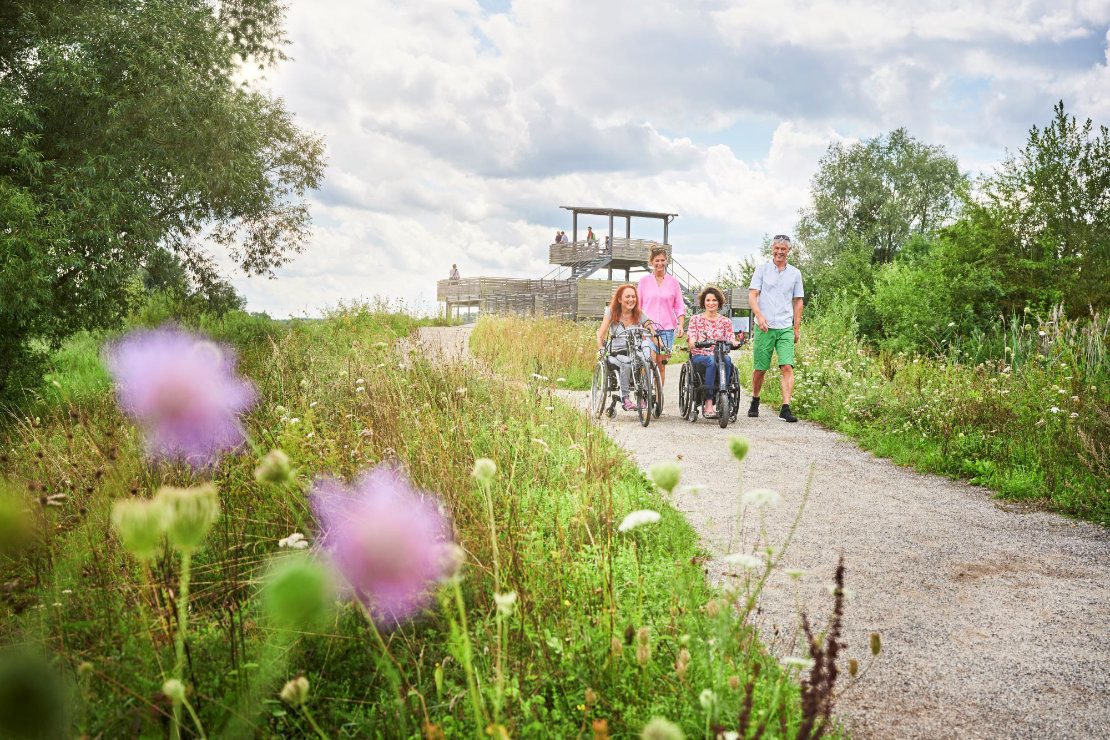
<point>621,317</point>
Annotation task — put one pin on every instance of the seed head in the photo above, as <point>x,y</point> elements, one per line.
<point>295,692</point>
<point>298,592</point>
<point>616,647</point>
<point>506,602</point>
<point>643,635</point>
<point>484,470</point>
<point>665,475</point>
<point>643,655</point>
<point>876,643</point>
<point>274,468</point>
<point>734,682</point>
<point>175,690</point>
<point>853,667</point>
<point>738,446</point>
<point>591,697</point>
<point>139,524</point>
<point>189,512</point>
<point>661,729</point>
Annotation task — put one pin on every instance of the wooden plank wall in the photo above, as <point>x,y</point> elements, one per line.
<point>738,298</point>
<point>594,296</point>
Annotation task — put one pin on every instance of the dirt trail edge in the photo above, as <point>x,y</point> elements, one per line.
<point>995,624</point>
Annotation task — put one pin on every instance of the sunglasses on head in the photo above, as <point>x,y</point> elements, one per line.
<point>781,238</point>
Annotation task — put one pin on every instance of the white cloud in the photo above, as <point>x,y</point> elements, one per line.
<point>455,134</point>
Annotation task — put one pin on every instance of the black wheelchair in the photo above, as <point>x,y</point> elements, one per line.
<point>726,393</point>
<point>644,388</point>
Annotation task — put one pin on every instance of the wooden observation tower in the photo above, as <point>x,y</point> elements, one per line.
<point>573,288</point>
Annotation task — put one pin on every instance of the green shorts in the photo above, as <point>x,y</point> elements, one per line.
<point>780,341</point>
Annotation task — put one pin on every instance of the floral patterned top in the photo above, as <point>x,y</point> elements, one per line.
<point>702,329</point>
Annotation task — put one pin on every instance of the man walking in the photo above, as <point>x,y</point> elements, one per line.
<point>775,296</point>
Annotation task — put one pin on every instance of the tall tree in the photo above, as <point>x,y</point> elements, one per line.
<point>1045,216</point>
<point>878,193</point>
<point>127,130</point>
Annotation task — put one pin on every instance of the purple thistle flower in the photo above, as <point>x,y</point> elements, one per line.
<point>183,389</point>
<point>387,540</point>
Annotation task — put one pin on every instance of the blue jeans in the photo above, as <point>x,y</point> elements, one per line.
<point>709,369</point>
<point>667,338</point>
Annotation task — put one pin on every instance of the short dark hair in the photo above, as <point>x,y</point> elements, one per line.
<point>715,291</point>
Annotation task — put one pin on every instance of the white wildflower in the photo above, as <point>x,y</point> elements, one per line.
<point>761,497</point>
<point>638,518</point>
<point>794,661</point>
<point>743,560</point>
<point>295,541</point>
<point>505,603</point>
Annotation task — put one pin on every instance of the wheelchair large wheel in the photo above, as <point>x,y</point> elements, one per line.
<point>734,400</point>
<point>641,378</point>
<point>723,410</point>
<point>683,392</point>
<point>657,391</point>
<point>599,389</point>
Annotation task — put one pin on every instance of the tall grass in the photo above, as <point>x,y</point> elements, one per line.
<point>604,619</point>
<point>545,349</point>
<point>1025,412</point>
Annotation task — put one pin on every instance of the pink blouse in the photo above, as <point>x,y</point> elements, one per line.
<point>701,329</point>
<point>662,304</point>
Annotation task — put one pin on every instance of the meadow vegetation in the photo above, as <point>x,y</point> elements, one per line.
<point>1024,411</point>
<point>557,623</point>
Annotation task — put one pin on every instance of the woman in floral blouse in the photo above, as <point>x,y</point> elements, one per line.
<point>708,327</point>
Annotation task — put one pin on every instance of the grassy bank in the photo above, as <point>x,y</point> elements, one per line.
<point>1034,426</point>
<point>609,629</point>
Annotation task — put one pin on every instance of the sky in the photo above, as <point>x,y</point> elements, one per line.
<point>456,128</point>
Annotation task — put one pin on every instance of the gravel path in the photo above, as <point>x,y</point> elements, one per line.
<point>995,623</point>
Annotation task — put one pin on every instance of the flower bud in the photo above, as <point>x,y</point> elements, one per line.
<point>298,592</point>
<point>643,635</point>
<point>876,643</point>
<point>643,655</point>
<point>190,513</point>
<point>665,475</point>
<point>708,700</point>
<point>274,468</point>
<point>661,729</point>
<point>853,667</point>
<point>484,470</point>
<point>175,690</point>
<point>295,692</point>
<point>85,669</point>
<point>139,524</point>
<point>734,682</point>
<point>738,446</point>
<point>591,697</point>
<point>616,647</point>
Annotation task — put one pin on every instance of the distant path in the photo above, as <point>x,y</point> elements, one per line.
<point>995,624</point>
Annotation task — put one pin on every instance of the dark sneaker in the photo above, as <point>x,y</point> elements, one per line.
<point>785,415</point>
<point>753,410</point>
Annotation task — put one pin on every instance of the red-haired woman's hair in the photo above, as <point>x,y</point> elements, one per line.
<point>615,308</point>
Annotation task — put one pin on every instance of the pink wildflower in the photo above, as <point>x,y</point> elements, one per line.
<point>183,390</point>
<point>387,540</point>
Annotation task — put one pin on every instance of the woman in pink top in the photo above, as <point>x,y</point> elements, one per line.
<point>661,301</point>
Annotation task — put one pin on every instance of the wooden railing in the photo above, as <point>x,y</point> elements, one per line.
<point>632,250</point>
